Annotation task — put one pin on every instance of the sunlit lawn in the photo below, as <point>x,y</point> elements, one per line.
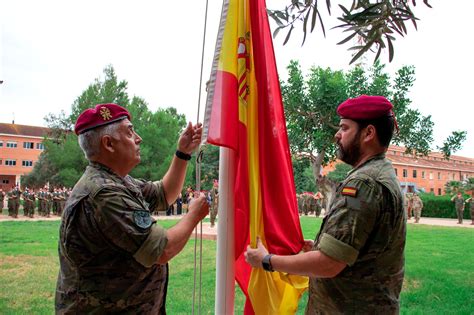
<point>439,270</point>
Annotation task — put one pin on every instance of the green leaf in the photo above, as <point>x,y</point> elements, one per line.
<point>288,35</point>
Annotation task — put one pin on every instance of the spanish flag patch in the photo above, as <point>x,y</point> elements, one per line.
<point>349,191</point>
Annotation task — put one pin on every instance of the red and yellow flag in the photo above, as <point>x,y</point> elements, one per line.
<point>247,116</point>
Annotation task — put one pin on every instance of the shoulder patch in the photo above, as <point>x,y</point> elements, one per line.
<point>142,219</point>
<point>349,191</point>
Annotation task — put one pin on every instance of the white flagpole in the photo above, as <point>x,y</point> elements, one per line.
<point>225,234</point>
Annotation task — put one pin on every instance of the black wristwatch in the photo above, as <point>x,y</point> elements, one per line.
<point>183,156</point>
<point>267,264</point>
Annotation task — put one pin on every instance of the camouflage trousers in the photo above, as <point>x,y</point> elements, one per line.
<point>417,214</point>
<point>460,213</point>
<point>213,214</point>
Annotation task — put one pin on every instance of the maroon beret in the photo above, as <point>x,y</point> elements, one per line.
<point>101,115</point>
<point>365,107</point>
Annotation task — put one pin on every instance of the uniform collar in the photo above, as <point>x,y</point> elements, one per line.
<point>380,156</point>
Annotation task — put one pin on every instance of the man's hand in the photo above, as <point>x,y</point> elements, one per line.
<point>199,207</point>
<point>254,256</point>
<point>308,245</point>
<point>190,138</point>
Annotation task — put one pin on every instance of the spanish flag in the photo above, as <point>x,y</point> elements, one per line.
<point>245,113</point>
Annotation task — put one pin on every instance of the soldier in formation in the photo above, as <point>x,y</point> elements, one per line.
<point>417,206</point>
<point>29,203</point>
<point>459,205</point>
<point>13,202</point>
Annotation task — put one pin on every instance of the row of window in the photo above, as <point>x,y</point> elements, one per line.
<point>26,145</point>
<point>10,162</point>
<point>450,176</point>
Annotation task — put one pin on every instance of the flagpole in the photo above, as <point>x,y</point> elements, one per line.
<point>225,282</point>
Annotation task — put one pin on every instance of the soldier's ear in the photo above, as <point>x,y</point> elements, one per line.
<point>107,143</point>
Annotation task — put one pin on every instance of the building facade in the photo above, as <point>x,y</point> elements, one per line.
<point>20,148</point>
<point>428,173</point>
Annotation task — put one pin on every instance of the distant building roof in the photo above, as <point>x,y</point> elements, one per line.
<point>432,160</point>
<point>23,130</point>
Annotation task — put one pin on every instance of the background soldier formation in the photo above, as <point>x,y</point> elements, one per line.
<point>309,203</point>
<point>47,201</point>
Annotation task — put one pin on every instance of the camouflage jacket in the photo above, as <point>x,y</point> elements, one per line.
<point>365,227</point>
<point>458,203</point>
<point>109,246</point>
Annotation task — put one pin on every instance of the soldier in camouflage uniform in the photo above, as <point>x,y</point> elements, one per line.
<point>214,202</point>
<point>299,198</point>
<point>32,202</point>
<point>356,265</point>
<point>13,202</point>
<point>407,204</point>
<point>26,203</point>
<point>41,201</point>
<point>459,205</point>
<point>113,254</point>
<point>471,206</point>
<point>55,195</point>
<point>2,200</point>
<point>417,206</point>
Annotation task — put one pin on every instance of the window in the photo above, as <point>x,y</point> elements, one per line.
<point>396,171</point>
<point>1,161</point>
<point>439,191</point>
<point>39,146</point>
<point>431,175</point>
<point>432,190</point>
<point>5,181</point>
<point>26,163</point>
<point>405,173</point>
<point>10,162</point>
<point>1,144</point>
<point>11,144</point>
<point>439,175</point>
<point>28,145</point>
<point>422,174</point>
<point>414,173</point>
<point>454,176</point>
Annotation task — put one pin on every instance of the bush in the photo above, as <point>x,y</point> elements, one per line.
<point>441,207</point>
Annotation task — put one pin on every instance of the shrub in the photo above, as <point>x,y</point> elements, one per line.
<point>441,206</point>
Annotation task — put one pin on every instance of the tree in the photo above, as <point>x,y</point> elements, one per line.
<point>310,109</point>
<point>371,23</point>
<point>63,162</point>
<point>340,172</point>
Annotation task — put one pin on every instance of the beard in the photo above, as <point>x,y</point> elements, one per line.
<point>350,153</point>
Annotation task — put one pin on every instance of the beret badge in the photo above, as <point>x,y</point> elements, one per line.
<point>105,113</point>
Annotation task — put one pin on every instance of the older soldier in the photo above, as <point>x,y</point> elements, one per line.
<point>417,206</point>
<point>113,254</point>
<point>356,265</point>
<point>459,205</point>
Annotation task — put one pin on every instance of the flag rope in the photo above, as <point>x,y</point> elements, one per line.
<point>198,183</point>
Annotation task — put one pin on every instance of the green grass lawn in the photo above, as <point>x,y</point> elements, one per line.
<point>439,270</point>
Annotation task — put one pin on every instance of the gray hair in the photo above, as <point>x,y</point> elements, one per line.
<point>89,141</point>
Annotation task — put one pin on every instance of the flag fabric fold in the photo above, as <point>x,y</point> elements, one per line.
<point>245,113</point>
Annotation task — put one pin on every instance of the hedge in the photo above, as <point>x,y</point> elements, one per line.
<point>441,206</point>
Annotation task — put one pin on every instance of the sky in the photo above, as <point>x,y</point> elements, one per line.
<point>51,50</point>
